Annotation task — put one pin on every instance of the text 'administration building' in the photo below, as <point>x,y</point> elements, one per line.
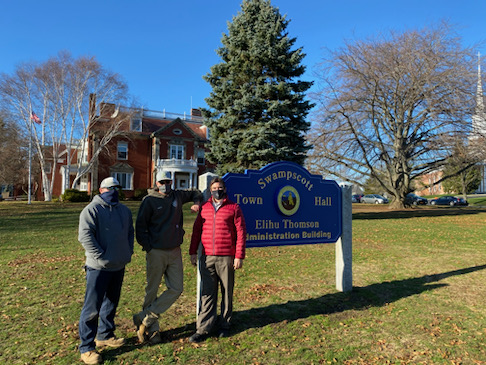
<point>146,142</point>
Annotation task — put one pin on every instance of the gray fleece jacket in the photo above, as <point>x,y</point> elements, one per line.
<point>106,233</point>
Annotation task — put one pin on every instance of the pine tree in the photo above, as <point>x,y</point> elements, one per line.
<point>257,104</point>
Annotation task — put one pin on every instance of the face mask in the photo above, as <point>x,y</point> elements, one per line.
<point>165,188</point>
<point>110,196</point>
<point>217,194</point>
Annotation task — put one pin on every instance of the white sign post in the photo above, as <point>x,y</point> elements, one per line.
<point>344,245</point>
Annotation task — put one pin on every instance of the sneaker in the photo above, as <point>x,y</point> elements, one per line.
<point>223,333</point>
<point>141,328</point>
<point>111,342</point>
<point>91,357</point>
<point>197,337</point>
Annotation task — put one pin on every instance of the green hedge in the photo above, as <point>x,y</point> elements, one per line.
<point>75,196</point>
<point>139,194</point>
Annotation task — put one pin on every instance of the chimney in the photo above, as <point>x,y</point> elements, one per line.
<point>196,113</point>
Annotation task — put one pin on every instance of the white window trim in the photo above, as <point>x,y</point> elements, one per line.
<point>114,174</point>
<point>178,148</point>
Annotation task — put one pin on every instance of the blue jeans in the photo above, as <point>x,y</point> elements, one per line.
<point>103,290</point>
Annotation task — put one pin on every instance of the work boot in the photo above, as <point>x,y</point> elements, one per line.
<point>154,338</point>
<point>198,337</point>
<point>223,333</point>
<point>111,342</point>
<point>91,357</point>
<point>141,328</point>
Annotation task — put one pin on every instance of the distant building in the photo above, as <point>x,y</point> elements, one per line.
<point>428,184</point>
<point>149,141</point>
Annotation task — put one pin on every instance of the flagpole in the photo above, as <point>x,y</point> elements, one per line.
<point>30,160</point>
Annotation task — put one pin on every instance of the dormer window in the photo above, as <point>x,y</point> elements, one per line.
<point>136,125</point>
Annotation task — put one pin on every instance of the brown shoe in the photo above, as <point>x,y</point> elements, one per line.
<point>111,342</point>
<point>141,329</point>
<point>91,357</point>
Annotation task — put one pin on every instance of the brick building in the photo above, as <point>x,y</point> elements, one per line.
<point>151,141</point>
<point>146,141</point>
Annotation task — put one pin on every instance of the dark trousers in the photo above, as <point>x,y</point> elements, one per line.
<point>97,319</point>
<point>216,271</point>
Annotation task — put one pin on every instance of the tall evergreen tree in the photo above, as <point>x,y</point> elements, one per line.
<point>257,106</point>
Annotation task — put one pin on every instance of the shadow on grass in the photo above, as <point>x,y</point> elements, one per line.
<point>374,295</point>
<point>417,213</point>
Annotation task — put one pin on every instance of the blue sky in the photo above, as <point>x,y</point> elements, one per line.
<point>162,48</point>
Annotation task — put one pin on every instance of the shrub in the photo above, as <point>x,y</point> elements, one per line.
<point>74,195</point>
<point>139,194</point>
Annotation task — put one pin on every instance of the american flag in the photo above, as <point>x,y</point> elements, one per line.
<point>35,118</point>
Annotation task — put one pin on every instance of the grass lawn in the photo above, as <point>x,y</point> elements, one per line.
<point>418,294</point>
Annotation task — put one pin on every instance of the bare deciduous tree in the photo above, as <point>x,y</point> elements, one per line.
<point>59,90</point>
<point>13,155</point>
<point>389,108</point>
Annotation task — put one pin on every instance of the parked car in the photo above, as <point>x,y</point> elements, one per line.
<point>414,199</point>
<point>356,198</point>
<point>374,199</point>
<point>448,200</point>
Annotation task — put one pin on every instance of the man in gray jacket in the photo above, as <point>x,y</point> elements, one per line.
<point>159,231</point>
<point>106,233</point>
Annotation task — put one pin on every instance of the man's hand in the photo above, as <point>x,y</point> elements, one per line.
<point>195,208</point>
<point>238,264</point>
<point>194,260</point>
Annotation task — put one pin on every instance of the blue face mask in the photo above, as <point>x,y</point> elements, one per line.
<point>110,196</point>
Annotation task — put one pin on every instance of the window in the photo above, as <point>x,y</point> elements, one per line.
<point>136,125</point>
<point>83,183</point>
<point>125,179</point>
<point>122,151</point>
<point>83,156</point>
<point>177,152</point>
<point>200,157</point>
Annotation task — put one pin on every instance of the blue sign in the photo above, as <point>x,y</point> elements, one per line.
<point>284,204</point>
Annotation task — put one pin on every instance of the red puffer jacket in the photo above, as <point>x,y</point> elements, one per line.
<point>222,232</point>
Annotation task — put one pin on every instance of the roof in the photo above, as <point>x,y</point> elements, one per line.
<point>151,125</point>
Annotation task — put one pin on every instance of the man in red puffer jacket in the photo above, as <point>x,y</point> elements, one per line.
<point>220,227</point>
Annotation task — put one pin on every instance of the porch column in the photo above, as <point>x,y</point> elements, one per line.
<point>172,173</point>
<point>63,179</point>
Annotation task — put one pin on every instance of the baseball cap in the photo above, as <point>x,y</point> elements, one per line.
<point>109,182</point>
<point>163,175</point>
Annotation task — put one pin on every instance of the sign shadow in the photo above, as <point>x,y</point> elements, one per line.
<point>374,295</point>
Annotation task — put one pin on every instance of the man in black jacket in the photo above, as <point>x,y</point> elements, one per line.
<point>159,231</point>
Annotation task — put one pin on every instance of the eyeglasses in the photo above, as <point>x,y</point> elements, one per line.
<point>113,188</point>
